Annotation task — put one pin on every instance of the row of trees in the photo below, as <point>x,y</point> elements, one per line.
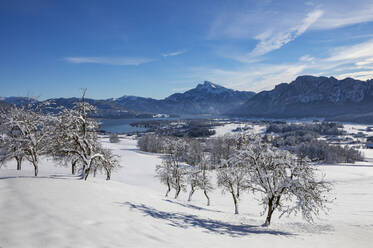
<point>70,137</point>
<point>303,139</point>
<point>242,163</point>
<point>320,150</point>
<point>321,128</point>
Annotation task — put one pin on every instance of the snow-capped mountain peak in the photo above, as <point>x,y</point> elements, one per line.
<point>210,86</point>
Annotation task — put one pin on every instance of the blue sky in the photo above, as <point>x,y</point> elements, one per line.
<point>156,48</point>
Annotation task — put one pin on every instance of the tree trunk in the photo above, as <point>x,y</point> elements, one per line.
<point>178,189</point>
<point>207,197</point>
<point>82,174</point>
<point>269,213</point>
<point>168,188</point>
<point>235,203</point>
<point>86,174</point>
<point>19,163</point>
<point>108,174</point>
<point>177,192</point>
<point>191,193</point>
<point>36,169</point>
<point>238,191</point>
<point>73,167</point>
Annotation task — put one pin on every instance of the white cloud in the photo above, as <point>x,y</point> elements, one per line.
<point>109,60</point>
<point>361,75</point>
<point>352,53</point>
<point>270,40</point>
<point>354,61</point>
<point>258,78</point>
<point>274,25</point>
<point>365,62</point>
<point>344,13</point>
<point>176,53</point>
<point>307,58</point>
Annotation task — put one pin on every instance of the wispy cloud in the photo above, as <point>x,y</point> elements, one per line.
<point>258,78</point>
<point>109,60</point>
<point>354,61</point>
<point>272,40</point>
<point>275,25</point>
<point>306,58</point>
<point>176,53</point>
<point>344,13</point>
<point>352,53</point>
<point>361,75</point>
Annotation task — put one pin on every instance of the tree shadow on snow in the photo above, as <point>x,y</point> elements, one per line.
<point>191,206</point>
<point>182,220</point>
<point>142,152</point>
<point>64,177</point>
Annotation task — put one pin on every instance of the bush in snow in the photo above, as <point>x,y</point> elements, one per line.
<point>151,143</point>
<point>114,138</point>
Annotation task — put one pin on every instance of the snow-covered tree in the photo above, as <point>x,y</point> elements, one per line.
<point>27,134</point>
<point>232,172</point>
<point>106,163</point>
<point>197,171</point>
<point>285,183</point>
<point>11,146</point>
<point>221,147</point>
<point>199,178</point>
<point>172,171</point>
<point>164,173</point>
<point>76,141</point>
<point>192,174</point>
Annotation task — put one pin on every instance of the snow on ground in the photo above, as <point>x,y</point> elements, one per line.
<point>355,128</point>
<point>228,128</point>
<point>58,210</point>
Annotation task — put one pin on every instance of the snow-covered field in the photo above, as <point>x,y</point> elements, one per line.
<point>58,210</point>
<point>228,128</point>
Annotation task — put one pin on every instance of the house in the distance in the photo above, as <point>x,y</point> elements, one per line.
<point>369,143</point>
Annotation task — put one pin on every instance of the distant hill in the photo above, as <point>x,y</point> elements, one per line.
<point>310,96</point>
<point>206,98</point>
<point>307,96</point>
<point>4,105</point>
<point>105,109</point>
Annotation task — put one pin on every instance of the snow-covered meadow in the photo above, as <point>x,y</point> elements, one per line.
<point>56,209</point>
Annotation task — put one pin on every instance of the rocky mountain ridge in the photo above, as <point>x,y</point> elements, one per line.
<point>310,96</point>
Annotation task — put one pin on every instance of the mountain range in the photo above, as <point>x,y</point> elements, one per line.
<point>307,96</point>
<point>206,98</point>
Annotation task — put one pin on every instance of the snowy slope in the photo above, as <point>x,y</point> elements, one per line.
<point>57,210</point>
